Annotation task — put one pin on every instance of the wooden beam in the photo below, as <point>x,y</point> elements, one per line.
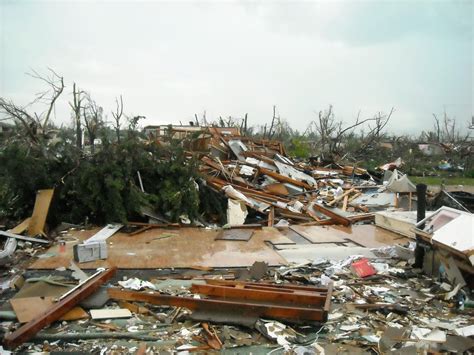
<point>338,198</point>
<point>338,219</point>
<point>245,308</point>
<point>344,203</point>
<point>271,216</point>
<point>245,190</point>
<point>283,178</point>
<point>56,311</point>
<point>267,284</point>
<point>295,298</point>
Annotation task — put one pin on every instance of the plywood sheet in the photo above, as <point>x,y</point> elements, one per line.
<point>274,236</point>
<point>41,289</point>
<point>371,236</point>
<point>319,234</point>
<point>241,234</point>
<point>166,248</point>
<point>23,226</point>
<point>40,212</point>
<point>367,235</point>
<point>29,308</point>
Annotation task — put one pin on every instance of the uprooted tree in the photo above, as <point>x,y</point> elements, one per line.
<point>330,135</point>
<point>91,182</point>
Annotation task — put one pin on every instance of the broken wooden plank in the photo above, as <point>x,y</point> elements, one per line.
<point>339,198</point>
<point>56,311</point>
<point>40,212</point>
<point>332,214</point>
<point>295,298</point>
<point>283,178</point>
<point>363,217</point>
<point>267,285</point>
<point>271,216</point>
<point>277,189</point>
<point>344,203</point>
<point>253,308</point>
<point>23,226</point>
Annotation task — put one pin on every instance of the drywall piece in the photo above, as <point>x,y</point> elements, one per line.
<point>237,148</point>
<point>110,313</point>
<point>8,248</point>
<point>376,199</point>
<point>283,159</point>
<point>399,182</point>
<point>106,232</point>
<point>312,252</point>
<point>236,212</point>
<point>465,331</point>
<point>289,171</point>
<point>260,163</point>
<point>40,212</point>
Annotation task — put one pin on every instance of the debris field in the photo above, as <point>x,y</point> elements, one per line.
<point>313,258</point>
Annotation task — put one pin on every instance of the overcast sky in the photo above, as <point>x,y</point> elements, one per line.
<point>172,59</point>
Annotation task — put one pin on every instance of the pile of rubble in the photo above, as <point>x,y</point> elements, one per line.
<point>321,307</point>
<point>257,174</point>
<point>299,268</point>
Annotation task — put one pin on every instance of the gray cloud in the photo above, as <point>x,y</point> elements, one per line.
<point>173,59</point>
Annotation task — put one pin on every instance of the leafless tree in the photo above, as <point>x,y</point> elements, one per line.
<point>437,128</point>
<point>331,132</point>
<point>21,117</point>
<point>117,115</point>
<point>92,115</point>
<point>76,105</point>
<point>276,121</point>
<point>375,134</point>
<point>56,88</point>
<point>447,130</point>
<point>35,123</point>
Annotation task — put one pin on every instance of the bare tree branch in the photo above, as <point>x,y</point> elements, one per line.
<point>117,115</point>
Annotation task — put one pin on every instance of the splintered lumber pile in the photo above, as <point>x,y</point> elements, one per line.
<point>258,175</point>
<point>250,299</point>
